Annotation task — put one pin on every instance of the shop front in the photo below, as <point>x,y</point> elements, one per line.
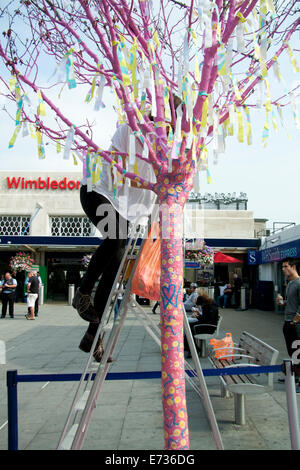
<point>268,260</point>
<point>271,262</point>
<point>58,260</point>
<point>41,214</point>
<point>232,259</point>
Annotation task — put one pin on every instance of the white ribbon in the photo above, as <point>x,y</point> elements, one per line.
<point>179,78</point>
<point>145,153</point>
<point>177,135</point>
<point>153,98</point>
<point>25,130</point>
<point>196,182</point>
<point>231,114</point>
<point>78,155</point>
<point>185,55</point>
<point>210,111</point>
<point>68,143</point>
<point>215,133</point>
<point>131,150</point>
<point>240,37</point>
<point>259,94</point>
<point>99,95</point>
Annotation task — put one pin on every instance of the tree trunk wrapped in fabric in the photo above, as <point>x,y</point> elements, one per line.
<point>182,75</point>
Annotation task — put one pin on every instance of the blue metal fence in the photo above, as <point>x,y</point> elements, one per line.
<point>13,378</point>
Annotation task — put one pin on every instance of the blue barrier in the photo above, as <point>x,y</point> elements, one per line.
<point>13,378</point>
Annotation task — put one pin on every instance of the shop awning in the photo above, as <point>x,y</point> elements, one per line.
<point>222,258</point>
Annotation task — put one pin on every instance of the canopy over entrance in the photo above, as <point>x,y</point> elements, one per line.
<point>222,258</point>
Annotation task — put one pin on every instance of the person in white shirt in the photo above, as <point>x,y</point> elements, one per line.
<point>8,285</point>
<point>110,210</point>
<point>191,299</point>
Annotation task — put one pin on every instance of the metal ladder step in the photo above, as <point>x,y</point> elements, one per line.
<point>82,401</point>
<point>68,440</point>
<point>108,330</point>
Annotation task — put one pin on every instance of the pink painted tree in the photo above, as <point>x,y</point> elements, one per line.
<point>185,75</point>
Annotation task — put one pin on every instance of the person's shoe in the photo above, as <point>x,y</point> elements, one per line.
<point>86,346</point>
<point>86,343</point>
<point>99,351</point>
<point>153,311</point>
<point>83,304</point>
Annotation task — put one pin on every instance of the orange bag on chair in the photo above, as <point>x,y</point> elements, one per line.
<point>146,279</point>
<point>226,343</point>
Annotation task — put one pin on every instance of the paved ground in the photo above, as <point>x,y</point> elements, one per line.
<point>129,413</point>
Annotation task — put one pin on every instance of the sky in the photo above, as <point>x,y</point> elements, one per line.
<point>268,175</point>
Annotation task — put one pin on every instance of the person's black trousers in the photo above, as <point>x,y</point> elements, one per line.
<point>106,260</point>
<point>291,333</point>
<point>8,299</point>
<point>36,306</point>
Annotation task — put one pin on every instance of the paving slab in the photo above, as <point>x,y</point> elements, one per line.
<point>128,415</point>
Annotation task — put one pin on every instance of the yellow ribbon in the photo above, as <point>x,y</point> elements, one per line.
<point>293,58</point>
<point>204,113</point>
<point>240,126</point>
<point>268,95</point>
<point>41,106</point>
<point>15,134</point>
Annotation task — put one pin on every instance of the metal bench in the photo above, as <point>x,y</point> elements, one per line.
<point>202,338</point>
<point>257,353</point>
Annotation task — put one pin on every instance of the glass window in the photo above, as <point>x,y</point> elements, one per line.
<point>14,225</point>
<point>70,226</point>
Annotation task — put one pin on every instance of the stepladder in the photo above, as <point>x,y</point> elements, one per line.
<point>93,377</point>
<point>94,374</point>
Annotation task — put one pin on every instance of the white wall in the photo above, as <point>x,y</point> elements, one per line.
<point>56,202</point>
<point>207,223</point>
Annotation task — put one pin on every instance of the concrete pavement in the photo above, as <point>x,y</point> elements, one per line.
<point>129,413</point>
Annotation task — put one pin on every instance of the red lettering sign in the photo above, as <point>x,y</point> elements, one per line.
<point>40,183</point>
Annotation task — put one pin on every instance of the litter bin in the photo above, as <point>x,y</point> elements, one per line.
<point>211,292</point>
<point>41,295</point>
<point>71,293</point>
<point>243,299</point>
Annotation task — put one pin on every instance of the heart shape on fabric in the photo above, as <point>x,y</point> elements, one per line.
<point>168,294</point>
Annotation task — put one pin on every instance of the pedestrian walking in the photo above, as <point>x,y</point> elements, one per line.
<point>157,304</point>
<point>36,305</point>
<point>32,294</point>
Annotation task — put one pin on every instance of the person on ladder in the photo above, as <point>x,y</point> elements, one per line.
<point>110,209</point>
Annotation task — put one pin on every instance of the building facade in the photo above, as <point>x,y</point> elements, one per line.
<point>282,243</point>
<point>40,213</point>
